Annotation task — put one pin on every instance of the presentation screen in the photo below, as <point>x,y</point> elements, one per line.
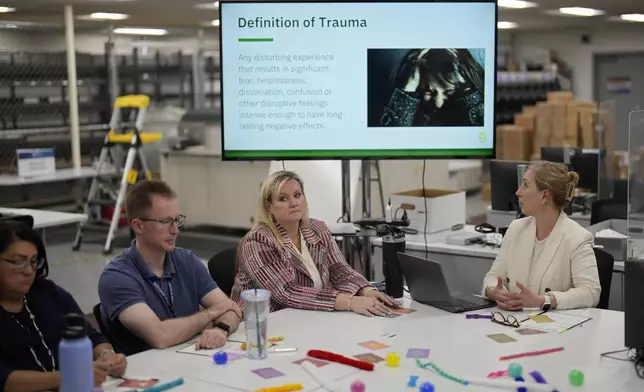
<point>357,80</point>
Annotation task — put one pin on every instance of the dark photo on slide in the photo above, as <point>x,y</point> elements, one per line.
<point>431,87</point>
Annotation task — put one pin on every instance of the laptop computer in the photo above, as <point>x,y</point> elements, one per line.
<point>427,285</point>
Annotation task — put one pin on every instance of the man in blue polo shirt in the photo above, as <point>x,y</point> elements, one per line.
<point>151,294</point>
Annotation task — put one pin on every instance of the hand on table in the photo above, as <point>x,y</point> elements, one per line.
<point>211,338</point>
<point>504,299</point>
<point>101,371</point>
<point>115,364</point>
<point>382,297</point>
<point>367,306</point>
<point>528,298</point>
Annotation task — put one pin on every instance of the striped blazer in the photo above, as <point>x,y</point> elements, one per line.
<point>280,269</point>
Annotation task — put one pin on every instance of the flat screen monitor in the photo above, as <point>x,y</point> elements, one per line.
<point>504,183</point>
<point>584,161</point>
<point>358,80</point>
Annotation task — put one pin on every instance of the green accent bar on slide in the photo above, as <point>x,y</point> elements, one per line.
<point>277,154</point>
<point>255,39</point>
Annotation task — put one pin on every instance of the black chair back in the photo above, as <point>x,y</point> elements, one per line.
<point>99,320</point>
<point>603,210</point>
<point>222,269</point>
<point>605,263</point>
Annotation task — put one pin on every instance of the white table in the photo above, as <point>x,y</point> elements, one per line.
<point>457,345</point>
<point>44,219</point>
<point>466,266</point>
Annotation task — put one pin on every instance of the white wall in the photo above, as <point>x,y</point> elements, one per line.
<point>569,48</point>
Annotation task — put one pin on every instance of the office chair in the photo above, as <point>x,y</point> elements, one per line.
<point>99,320</point>
<point>603,210</point>
<point>26,219</point>
<point>222,269</point>
<point>605,263</point>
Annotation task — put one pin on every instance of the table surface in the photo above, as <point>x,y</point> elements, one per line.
<point>44,218</point>
<point>458,345</point>
<point>436,243</point>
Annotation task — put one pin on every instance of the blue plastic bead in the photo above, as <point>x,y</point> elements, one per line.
<point>521,389</point>
<point>412,381</point>
<point>427,387</point>
<point>515,370</point>
<point>220,358</point>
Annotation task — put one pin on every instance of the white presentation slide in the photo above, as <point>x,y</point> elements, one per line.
<point>357,80</point>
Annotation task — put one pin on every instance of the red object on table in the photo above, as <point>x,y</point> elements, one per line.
<point>332,357</point>
<point>531,354</point>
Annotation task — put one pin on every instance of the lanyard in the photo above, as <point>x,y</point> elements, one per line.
<point>169,301</point>
<point>42,339</point>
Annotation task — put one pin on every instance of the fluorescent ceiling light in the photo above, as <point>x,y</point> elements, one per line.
<point>581,11</point>
<point>108,16</point>
<point>506,25</point>
<point>215,22</point>
<point>140,31</point>
<point>4,10</point>
<point>208,6</point>
<point>632,17</point>
<point>516,4</point>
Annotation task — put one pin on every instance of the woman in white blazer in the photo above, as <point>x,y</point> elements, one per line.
<point>546,260</point>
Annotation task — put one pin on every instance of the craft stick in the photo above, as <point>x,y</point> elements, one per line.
<point>531,353</point>
<point>282,388</point>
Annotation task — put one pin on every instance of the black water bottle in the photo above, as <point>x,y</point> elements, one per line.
<point>394,280</point>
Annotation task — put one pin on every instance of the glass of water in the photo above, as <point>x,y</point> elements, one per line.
<point>256,310</point>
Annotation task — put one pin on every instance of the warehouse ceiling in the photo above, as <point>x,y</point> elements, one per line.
<point>179,15</point>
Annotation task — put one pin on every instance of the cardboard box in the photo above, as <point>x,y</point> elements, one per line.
<point>587,126</point>
<point>525,121</point>
<point>543,126</point>
<point>560,96</point>
<point>558,123</point>
<point>445,208</point>
<point>516,142</point>
<point>486,192</point>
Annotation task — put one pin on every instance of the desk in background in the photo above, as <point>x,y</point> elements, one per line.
<point>504,218</point>
<point>44,219</point>
<point>475,355</point>
<point>465,266</point>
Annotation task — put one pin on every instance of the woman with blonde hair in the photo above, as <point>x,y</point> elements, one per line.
<point>296,257</point>
<point>546,260</point>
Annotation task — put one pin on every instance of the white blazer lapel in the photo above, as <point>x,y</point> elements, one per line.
<point>552,246</point>
<point>523,249</point>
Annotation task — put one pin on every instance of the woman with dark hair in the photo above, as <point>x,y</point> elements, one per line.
<point>436,87</point>
<point>31,310</point>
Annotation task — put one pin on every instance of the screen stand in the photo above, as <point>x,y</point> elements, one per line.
<point>366,213</point>
<point>347,246</point>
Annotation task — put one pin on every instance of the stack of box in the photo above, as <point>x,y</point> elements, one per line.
<point>559,122</point>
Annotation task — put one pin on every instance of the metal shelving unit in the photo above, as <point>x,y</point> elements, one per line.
<point>518,89</point>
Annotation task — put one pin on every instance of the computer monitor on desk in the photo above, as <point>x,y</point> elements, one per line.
<point>585,161</point>
<point>504,184</point>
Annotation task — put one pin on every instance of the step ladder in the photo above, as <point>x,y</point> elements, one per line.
<point>125,135</point>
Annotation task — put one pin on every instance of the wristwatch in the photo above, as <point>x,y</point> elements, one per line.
<point>223,326</point>
<point>547,303</point>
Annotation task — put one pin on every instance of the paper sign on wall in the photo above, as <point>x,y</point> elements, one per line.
<point>36,162</point>
<point>618,84</point>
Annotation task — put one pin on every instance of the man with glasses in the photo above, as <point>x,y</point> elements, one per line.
<point>151,294</point>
